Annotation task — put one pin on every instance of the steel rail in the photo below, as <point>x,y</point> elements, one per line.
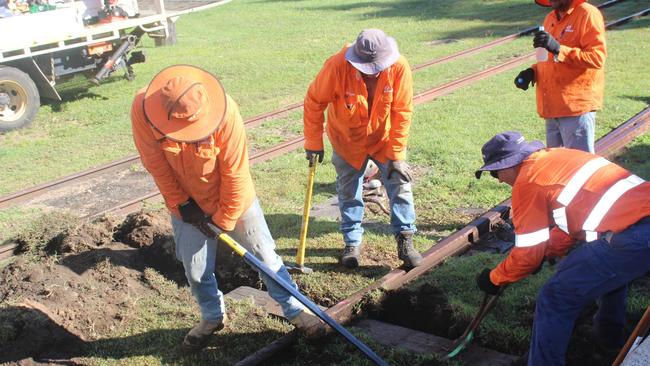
<point>455,244</point>
<point>38,190</point>
<point>282,148</point>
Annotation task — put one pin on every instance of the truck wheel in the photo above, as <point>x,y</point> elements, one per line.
<point>19,99</point>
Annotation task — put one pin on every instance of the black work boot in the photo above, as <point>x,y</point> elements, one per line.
<point>405,250</point>
<point>350,256</point>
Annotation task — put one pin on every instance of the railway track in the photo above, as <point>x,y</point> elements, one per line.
<point>28,194</point>
<point>455,244</point>
<point>287,146</point>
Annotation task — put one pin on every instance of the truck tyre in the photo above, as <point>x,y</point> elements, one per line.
<point>19,99</point>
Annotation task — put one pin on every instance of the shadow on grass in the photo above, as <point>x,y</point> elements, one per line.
<point>77,89</point>
<point>644,99</point>
<point>30,333</point>
<point>497,17</point>
<point>635,159</point>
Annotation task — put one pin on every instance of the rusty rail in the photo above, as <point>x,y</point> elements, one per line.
<point>38,190</point>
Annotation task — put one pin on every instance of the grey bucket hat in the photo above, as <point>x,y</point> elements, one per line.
<point>506,150</point>
<point>372,52</point>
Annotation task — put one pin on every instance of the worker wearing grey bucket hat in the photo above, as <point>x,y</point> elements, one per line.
<point>366,90</point>
<point>372,52</point>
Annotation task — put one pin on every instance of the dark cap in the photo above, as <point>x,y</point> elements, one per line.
<point>506,150</point>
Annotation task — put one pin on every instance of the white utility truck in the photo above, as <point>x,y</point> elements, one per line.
<point>40,50</point>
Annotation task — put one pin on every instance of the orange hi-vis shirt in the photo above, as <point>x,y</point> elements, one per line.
<point>214,172</point>
<point>355,132</point>
<point>561,196</point>
<point>574,83</point>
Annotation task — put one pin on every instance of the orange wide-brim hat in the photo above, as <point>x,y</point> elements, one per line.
<point>185,103</point>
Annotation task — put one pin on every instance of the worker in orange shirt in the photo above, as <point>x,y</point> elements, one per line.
<point>367,91</point>
<point>191,139</point>
<point>565,198</point>
<point>570,76</point>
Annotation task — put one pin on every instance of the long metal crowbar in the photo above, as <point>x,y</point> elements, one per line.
<point>256,263</point>
<point>458,345</point>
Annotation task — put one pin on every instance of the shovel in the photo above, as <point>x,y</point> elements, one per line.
<point>300,256</point>
<point>256,263</point>
<point>458,345</point>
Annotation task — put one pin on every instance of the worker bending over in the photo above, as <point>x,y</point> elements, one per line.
<point>560,198</point>
<point>367,90</point>
<point>191,139</point>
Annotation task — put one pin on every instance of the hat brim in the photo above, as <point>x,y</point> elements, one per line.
<point>378,66</point>
<point>544,3</point>
<point>178,129</point>
<point>511,160</point>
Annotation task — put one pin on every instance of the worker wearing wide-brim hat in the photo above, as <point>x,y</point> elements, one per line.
<point>567,202</point>
<point>191,139</point>
<point>367,90</point>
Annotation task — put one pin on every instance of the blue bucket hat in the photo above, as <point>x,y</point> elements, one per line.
<point>372,52</point>
<point>506,150</point>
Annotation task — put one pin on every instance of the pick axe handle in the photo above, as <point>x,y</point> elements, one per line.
<point>256,263</point>
<point>300,256</point>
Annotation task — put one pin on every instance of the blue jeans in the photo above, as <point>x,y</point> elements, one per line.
<point>349,186</point>
<point>576,132</point>
<point>198,254</point>
<point>599,271</point>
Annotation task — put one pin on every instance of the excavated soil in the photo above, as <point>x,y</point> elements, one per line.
<point>85,282</point>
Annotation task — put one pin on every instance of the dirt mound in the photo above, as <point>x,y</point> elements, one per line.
<point>82,282</point>
<point>87,294</point>
<point>152,232</point>
<point>83,237</point>
<point>143,229</point>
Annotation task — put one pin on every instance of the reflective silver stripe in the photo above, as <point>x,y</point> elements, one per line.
<point>559,216</point>
<point>530,239</point>
<point>590,236</point>
<point>608,199</point>
<point>579,178</point>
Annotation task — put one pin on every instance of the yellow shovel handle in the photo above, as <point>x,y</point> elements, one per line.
<point>300,257</point>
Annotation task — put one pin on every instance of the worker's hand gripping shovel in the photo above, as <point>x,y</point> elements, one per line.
<point>458,345</point>
<point>300,256</point>
<point>256,263</point>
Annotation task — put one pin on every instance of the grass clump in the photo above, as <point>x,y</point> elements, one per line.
<point>33,239</point>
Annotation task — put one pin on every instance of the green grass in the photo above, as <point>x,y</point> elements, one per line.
<point>266,53</point>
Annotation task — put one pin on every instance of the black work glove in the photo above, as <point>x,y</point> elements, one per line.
<point>208,227</point>
<point>525,78</point>
<point>190,211</point>
<point>545,40</point>
<point>400,167</point>
<point>313,154</point>
<point>485,284</point>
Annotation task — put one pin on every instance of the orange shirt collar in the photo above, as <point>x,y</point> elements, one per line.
<point>574,5</point>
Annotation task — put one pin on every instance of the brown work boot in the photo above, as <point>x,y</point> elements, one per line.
<point>309,324</point>
<point>405,250</point>
<point>350,256</point>
<point>197,338</point>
